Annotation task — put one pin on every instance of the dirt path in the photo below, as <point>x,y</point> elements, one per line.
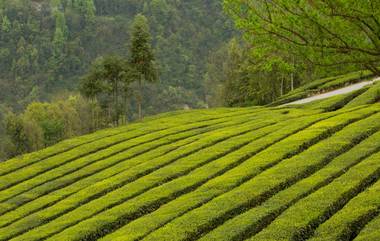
<point>341,91</point>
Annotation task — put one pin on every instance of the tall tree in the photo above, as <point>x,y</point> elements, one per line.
<point>141,55</point>
<point>59,41</point>
<point>5,24</point>
<point>326,33</point>
<point>109,76</point>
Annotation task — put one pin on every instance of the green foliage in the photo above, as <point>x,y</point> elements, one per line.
<point>62,38</point>
<point>335,102</point>
<point>323,85</point>
<point>109,83</point>
<point>44,124</point>
<point>46,46</point>
<point>357,212</point>
<point>372,95</point>
<point>371,231</point>
<point>141,52</point>
<point>261,173</point>
<point>235,78</point>
<point>59,38</point>
<point>251,191</point>
<point>334,196</point>
<point>16,134</point>
<point>141,57</point>
<point>290,43</point>
<point>248,223</point>
<point>184,164</point>
<point>326,33</point>
<point>5,24</point>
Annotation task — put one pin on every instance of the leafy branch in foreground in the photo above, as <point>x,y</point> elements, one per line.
<point>324,32</point>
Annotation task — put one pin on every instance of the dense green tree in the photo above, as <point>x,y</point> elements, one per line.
<point>326,33</point>
<point>85,7</point>
<point>5,24</point>
<point>15,132</point>
<point>44,124</point>
<point>88,10</point>
<point>49,119</point>
<point>236,77</point>
<point>21,64</point>
<point>59,40</point>
<point>110,76</point>
<point>141,55</point>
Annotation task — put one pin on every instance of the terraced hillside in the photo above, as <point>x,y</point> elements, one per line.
<point>285,173</point>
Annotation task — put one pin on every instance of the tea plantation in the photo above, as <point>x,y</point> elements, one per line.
<point>309,172</point>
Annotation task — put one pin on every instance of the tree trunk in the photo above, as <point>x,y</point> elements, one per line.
<point>125,107</point>
<point>292,81</point>
<point>92,103</point>
<point>117,114</point>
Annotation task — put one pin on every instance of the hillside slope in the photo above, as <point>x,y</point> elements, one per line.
<point>311,172</point>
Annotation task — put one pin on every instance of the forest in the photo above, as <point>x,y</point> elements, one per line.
<point>46,47</point>
<point>204,54</point>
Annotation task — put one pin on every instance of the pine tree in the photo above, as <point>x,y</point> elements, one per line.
<point>59,41</point>
<point>21,64</point>
<point>86,8</point>
<point>60,35</point>
<point>5,24</point>
<point>141,55</point>
<point>90,10</point>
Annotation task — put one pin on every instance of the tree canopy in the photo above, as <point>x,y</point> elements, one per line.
<point>141,55</point>
<point>326,33</point>
<point>108,81</point>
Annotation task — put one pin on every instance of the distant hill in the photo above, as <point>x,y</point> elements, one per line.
<point>45,46</point>
<point>261,173</point>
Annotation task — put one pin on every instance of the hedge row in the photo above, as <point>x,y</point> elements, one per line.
<point>113,166</point>
<point>63,172</point>
<point>109,220</point>
<point>235,177</point>
<point>254,220</point>
<point>334,103</point>
<point>309,213</point>
<point>371,232</point>
<point>38,173</point>
<point>99,170</point>
<point>271,181</point>
<point>348,79</point>
<point>348,222</point>
<point>199,161</point>
<point>225,141</point>
<point>372,95</point>
<point>64,146</point>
